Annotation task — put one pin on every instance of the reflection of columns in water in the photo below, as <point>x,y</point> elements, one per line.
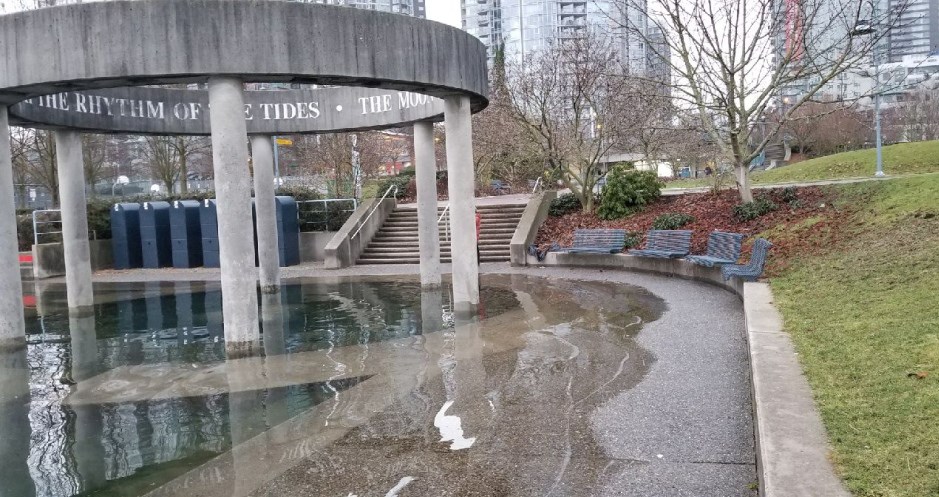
<point>431,310</point>
<point>425,161</point>
<point>182,291</point>
<point>68,145</point>
<point>462,202</point>
<point>235,233</point>
<point>14,425</point>
<point>154,303</point>
<point>87,451</point>
<point>12,328</point>
<point>272,322</point>
<point>246,420</point>
<point>262,153</point>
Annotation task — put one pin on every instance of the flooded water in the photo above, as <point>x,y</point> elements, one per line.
<point>364,386</point>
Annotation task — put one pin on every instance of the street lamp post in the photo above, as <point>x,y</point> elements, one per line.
<point>877,129</point>
<point>867,28</point>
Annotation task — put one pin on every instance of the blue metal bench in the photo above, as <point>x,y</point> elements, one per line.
<point>723,248</point>
<point>752,270</point>
<point>666,244</point>
<point>597,241</point>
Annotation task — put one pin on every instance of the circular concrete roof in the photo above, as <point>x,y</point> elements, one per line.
<point>80,66</point>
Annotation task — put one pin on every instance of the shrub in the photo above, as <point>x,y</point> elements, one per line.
<point>671,221</point>
<point>790,195</point>
<point>752,210</point>
<point>299,193</point>
<point>564,204</point>
<point>401,181</point>
<point>99,219</point>
<point>627,191</point>
<point>633,240</point>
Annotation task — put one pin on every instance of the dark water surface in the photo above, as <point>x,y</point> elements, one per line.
<point>138,397</point>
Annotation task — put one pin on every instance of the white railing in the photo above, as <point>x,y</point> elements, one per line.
<point>37,223</point>
<point>445,218</point>
<point>302,208</point>
<point>372,213</point>
<point>537,185</point>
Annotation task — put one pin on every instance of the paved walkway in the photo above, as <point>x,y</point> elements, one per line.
<point>673,419</point>
<point>842,181</point>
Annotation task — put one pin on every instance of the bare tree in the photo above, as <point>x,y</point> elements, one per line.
<point>94,159</point>
<point>169,157</point>
<point>38,157</point>
<point>733,58</point>
<point>575,102</point>
<point>331,156</point>
<point>918,116</point>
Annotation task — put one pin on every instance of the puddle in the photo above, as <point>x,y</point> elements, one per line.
<point>364,389</point>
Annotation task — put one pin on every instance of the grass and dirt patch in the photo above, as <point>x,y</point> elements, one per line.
<point>863,311</point>
<point>855,271</point>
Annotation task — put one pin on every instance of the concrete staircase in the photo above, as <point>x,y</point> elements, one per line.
<point>396,242</point>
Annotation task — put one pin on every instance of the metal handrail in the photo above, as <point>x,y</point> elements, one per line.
<point>377,205</point>
<point>445,213</point>
<point>326,202</point>
<point>36,224</point>
<point>537,184</point>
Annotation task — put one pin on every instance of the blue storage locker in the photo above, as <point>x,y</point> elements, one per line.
<point>155,239</point>
<point>208,219</point>
<point>186,231</point>
<point>125,236</point>
<point>288,231</point>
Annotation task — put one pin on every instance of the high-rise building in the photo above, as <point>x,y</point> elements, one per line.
<point>917,32</point>
<point>415,8</point>
<point>524,27</point>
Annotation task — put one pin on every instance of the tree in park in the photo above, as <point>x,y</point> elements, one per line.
<point>575,102</point>
<point>169,157</point>
<point>501,149</point>
<point>731,59</point>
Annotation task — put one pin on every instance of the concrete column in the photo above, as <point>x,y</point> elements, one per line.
<point>460,180</point>
<point>235,233</point>
<point>12,329</point>
<point>425,161</point>
<point>431,310</point>
<point>262,151</point>
<point>68,149</point>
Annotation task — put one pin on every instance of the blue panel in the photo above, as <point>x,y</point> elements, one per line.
<point>186,233</point>
<point>288,231</point>
<point>208,220</point>
<point>125,236</point>
<point>156,243</point>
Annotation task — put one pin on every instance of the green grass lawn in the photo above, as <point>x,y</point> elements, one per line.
<point>864,315</point>
<point>899,160</point>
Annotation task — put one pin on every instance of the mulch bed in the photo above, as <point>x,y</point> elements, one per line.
<point>711,212</point>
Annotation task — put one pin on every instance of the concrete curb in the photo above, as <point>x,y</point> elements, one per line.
<point>791,443</point>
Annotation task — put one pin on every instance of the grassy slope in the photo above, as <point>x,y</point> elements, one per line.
<point>901,159</point>
<point>864,315</point>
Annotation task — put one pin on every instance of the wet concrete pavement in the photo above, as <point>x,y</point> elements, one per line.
<point>591,388</point>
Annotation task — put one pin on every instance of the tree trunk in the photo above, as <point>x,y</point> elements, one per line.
<point>743,183</point>
<point>183,175</point>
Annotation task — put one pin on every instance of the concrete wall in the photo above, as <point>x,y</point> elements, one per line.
<point>313,245</point>
<point>181,41</point>
<point>670,267</point>
<point>185,112</point>
<point>343,250</point>
<point>532,218</point>
<point>49,258</point>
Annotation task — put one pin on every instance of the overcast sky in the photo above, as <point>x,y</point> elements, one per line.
<point>446,11</point>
